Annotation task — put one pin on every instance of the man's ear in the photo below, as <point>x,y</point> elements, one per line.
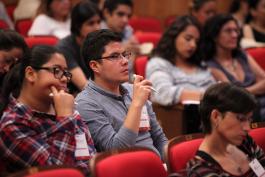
<point>95,66</point>
<point>30,74</point>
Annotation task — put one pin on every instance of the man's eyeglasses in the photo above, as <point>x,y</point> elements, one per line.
<point>57,72</point>
<point>118,56</point>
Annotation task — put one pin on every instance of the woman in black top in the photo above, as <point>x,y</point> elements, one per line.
<point>227,149</point>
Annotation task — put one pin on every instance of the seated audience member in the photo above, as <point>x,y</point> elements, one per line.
<point>228,62</point>
<point>117,113</point>
<point>39,126</point>
<point>4,16</point>
<point>12,48</point>
<point>85,18</point>
<point>116,15</point>
<point>255,30</point>
<point>53,19</point>
<point>26,9</point>
<point>227,149</point>
<point>239,10</point>
<point>175,69</point>
<point>202,10</point>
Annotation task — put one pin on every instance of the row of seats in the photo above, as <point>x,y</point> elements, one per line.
<point>142,162</point>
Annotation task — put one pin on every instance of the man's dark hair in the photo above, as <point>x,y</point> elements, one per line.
<point>94,46</point>
<point>111,5</point>
<point>82,12</point>
<point>225,97</point>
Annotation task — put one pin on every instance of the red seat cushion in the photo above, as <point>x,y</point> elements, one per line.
<point>259,55</point>
<point>140,65</point>
<point>23,26</point>
<point>258,136</point>
<point>131,164</point>
<point>41,40</point>
<point>3,25</point>
<point>145,24</point>
<point>181,153</point>
<point>152,37</point>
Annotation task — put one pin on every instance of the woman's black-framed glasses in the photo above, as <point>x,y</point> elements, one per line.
<point>57,72</point>
<point>117,56</point>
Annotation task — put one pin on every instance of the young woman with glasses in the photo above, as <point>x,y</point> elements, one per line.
<point>228,62</point>
<point>227,149</point>
<point>39,125</point>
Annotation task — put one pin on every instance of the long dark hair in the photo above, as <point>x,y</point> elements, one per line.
<point>166,47</point>
<point>13,81</point>
<point>211,30</point>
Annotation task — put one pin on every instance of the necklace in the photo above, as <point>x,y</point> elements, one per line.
<point>231,66</point>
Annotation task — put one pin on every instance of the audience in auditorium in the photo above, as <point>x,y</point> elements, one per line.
<point>202,10</point>
<point>227,149</point>
<point>255,29</point>
<point>175,69</point>
<point>39,125</point>
<point>117,113</point>
<point>116,15</point>
<point>85,18</point>
<point>228,62</point>
<point>53,19</point>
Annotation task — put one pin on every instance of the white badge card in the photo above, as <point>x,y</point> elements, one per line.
<point>81,151</point>
<point>144,120</point>
<point>257,168</point>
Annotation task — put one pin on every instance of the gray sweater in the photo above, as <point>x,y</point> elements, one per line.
<point>170,80</point>
<point>104,113</point>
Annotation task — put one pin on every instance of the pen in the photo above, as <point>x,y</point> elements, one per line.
<point>152,88</point>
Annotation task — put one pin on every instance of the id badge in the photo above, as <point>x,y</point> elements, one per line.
<point>144,120</point>
<point>81,151</point>
<point>257,168</point>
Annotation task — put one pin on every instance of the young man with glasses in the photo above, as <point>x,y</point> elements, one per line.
<point>117,113</point>
<point>116,15</point>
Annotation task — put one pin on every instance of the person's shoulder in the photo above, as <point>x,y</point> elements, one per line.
<point>87,95</point>
<point>158,63</point>
<point>11,117</point>
<point>65,42</point>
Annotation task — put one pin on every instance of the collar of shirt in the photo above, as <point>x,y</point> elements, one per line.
<point>94,86</point>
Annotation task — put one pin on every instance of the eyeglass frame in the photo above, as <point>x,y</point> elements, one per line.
<point>65,73</point>
<point>118,57</point>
